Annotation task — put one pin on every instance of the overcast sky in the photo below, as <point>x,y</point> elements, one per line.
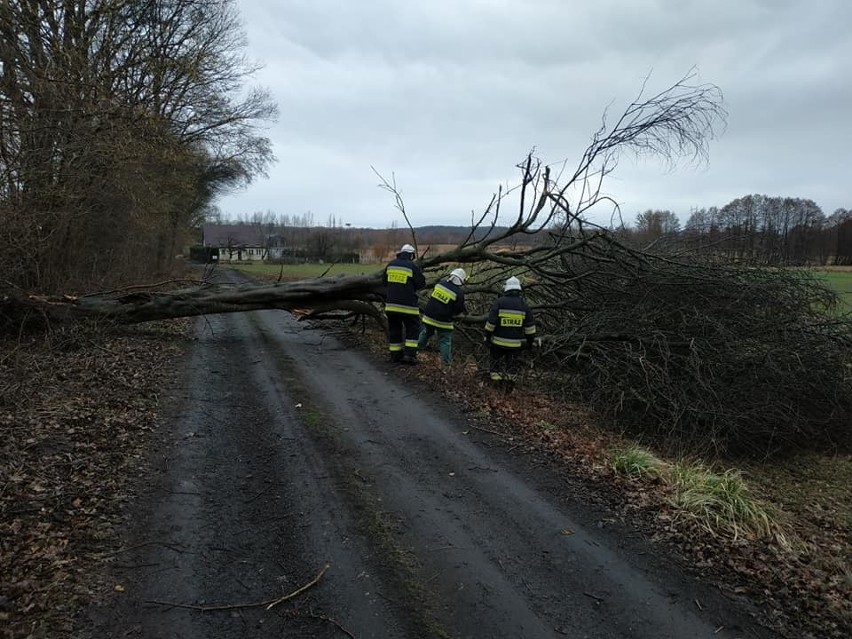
<point>449,95</point>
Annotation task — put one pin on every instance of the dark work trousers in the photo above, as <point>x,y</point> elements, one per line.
<point>505,365</point>
<point>403,331</point>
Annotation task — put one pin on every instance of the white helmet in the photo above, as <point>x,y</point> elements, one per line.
<point>512,284</point>
<point>407,248</point>
<point>458,276</point>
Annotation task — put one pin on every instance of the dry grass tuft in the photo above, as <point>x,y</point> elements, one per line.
<point>722,503</point>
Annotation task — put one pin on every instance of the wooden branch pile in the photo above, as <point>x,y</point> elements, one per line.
<point>698,356</point>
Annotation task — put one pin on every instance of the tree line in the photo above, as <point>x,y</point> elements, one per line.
<point>304,237</point>
<point>751,230</point>
<point>754,230</point>
<point>120,122</point>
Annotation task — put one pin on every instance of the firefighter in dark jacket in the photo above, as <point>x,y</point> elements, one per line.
<point>447,300</point>
<point>510,326</point>
<point>403,278</point>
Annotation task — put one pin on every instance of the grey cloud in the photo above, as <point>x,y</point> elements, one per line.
<point>451,94</point>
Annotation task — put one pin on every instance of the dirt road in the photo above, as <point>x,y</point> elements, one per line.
<point>286,450</point>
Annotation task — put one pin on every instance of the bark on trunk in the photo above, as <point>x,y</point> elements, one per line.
<point>353,294</point>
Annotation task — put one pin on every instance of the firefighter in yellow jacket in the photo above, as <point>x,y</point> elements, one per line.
<point>446,301</point>
<point>509,328</point>
<point>403,278</point>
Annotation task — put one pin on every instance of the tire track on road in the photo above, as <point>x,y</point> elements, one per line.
<point>489,547</point>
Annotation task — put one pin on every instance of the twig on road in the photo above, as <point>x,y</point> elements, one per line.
<point>298,591</point>
<point>334,622</point>
<point>142,545</point>
<point>269,603</point>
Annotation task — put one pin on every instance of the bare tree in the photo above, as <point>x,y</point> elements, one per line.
<point>675,123</point>
<point>120,123</point>
<point>655,223</point>
<point>840,236</point>
<point>763,230</point>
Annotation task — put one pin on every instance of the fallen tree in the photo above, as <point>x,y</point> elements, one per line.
<point>691,354</point>
<point>359,295</point>
<point>675,123</point>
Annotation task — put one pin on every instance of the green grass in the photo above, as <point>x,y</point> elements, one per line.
<point>841,281</point>
<point>305,271</point>
<point>634,461</point>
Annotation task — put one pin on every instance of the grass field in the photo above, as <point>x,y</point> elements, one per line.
<point>840,279</point>
<point>305,271</point>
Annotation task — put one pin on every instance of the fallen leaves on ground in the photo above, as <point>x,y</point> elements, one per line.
<point>75,412</point>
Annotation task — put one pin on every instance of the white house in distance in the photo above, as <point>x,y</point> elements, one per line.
<point>239,242</point>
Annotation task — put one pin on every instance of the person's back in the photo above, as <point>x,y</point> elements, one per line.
<point>445,302</point>
<point>511,326</point>
<point>510,318</point>
<point>403,278</point>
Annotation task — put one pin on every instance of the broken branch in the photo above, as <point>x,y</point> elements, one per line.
<point>269,603</point>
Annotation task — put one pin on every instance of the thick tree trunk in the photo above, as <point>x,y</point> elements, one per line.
<point>352,294</point>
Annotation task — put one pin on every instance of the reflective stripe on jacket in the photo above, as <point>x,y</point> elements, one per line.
<point>402,279</point>
<point>447,300</point>
<point>510,321</point>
